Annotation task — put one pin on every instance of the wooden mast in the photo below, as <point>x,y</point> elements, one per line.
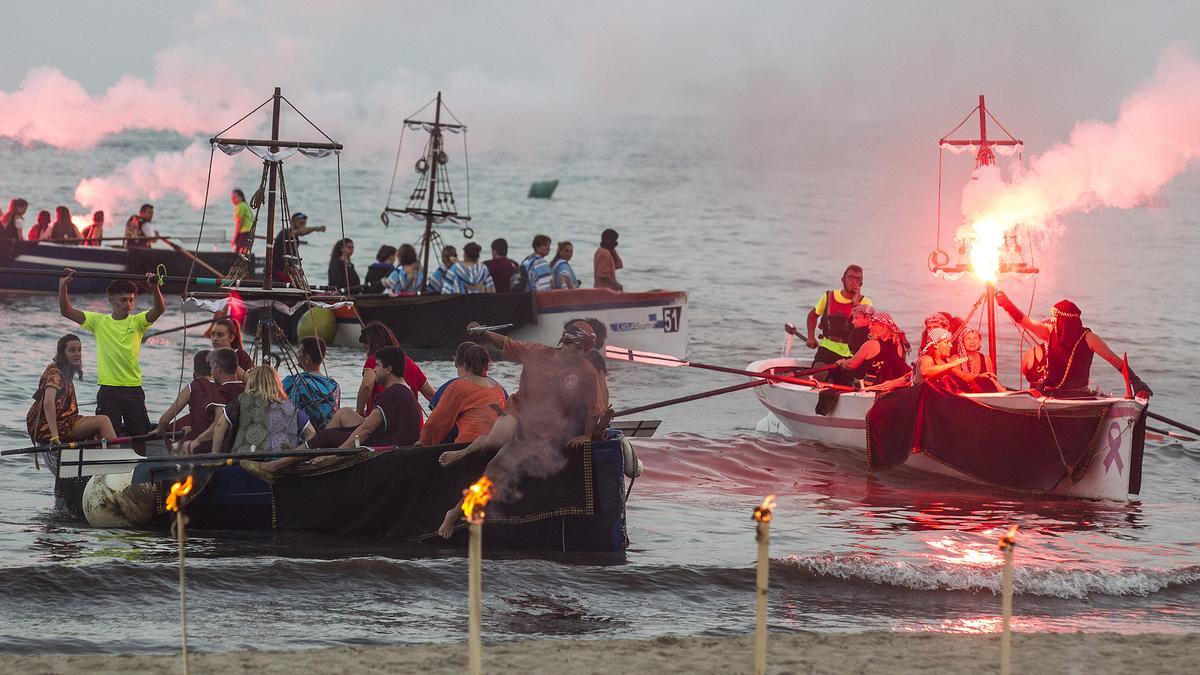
<point>435,149</point>
<point>985,157</point>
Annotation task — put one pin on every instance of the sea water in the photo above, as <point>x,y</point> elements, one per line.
<point>755,231</point>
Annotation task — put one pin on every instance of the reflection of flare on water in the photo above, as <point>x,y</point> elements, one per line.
<point>762,512</point>
<point>961,553</point>
<point>475,498</point>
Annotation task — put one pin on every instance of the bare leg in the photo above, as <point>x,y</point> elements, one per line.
<point>87,427</point>
<point>502,432</point>
<point>451,519</point>
<point>344,417</point>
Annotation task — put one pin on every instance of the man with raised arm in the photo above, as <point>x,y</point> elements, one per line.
<point>118,346</point>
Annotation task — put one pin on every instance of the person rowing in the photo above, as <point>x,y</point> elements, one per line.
<point>1069,351</point>
<point>883,356</point>
<point>562,399</point>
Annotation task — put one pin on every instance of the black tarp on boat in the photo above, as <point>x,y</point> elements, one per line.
<point>439,322</point>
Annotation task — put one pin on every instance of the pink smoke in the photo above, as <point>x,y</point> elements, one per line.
<point>1122,164</point>
<point>150,178</point>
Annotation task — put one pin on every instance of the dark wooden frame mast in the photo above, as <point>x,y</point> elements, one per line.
<point>274,145</point>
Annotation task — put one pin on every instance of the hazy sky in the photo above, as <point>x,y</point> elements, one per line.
<point>1044,64</point>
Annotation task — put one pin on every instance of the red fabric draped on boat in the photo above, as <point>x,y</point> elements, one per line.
<point>1017,449</point>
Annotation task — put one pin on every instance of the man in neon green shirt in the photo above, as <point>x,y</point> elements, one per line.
<point>118,345</point>
<point>832,312</point>
<point>243,223</point>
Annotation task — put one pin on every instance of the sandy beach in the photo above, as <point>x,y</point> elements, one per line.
<point>807,653</point>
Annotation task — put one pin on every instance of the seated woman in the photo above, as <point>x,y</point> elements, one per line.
<point>561,273</point>
<point>262,417</point>
<point>376,336</point>
<point>381,269</point>
<point>54,416</point>
<point>936,365</point>
<point>471,403</point>
<point>935,320</point>
<point>977,374</point>
<point>438,282</point>
<point>882,358</point>
<point>316,394</point>
<point>405,278</point>
<point>469,276</point>
<point>64,227</point>
<point>226,333</point>
<point>196,396</point>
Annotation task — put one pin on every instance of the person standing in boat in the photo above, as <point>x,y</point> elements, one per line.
<point>501,267</point>
<point>41,228</point>
<point>243,223</point>
<point>12,223</point>
<point>561,273</point>
<point>438,279</point>
<point>318,395</point>
<point>381,269</point>
<point>138,233</point>
<point>883,357</point>
<point>1070,347</point>
<point>226,333</point>
<point>118,347</point>
<point>468,276</point>
<point>285,252</point>
<point>535,271</point>
<point>197,396</point>
<point>54,416</point>
<point>606,262</point>
<point>832,313</point>
<point>92,234</point>
<point>63,229</point>
<point>341,271</point>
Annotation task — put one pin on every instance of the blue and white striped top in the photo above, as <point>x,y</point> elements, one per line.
<point>467,279</point>
<point>400,281</point>
<point>562,269</point>
<point>537,270</point>
<point>438,283</point>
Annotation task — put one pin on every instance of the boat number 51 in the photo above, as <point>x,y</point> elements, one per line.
<point>671,319</point>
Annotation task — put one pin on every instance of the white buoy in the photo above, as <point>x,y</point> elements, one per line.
<point>110,500</point>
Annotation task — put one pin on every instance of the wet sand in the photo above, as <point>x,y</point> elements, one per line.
<point>807,653</point>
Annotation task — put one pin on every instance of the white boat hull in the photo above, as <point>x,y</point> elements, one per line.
<point>653,321</point>
<point>791,412</point>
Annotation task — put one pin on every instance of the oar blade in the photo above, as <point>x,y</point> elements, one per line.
<point>625,354</point>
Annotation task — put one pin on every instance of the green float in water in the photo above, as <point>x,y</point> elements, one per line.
<point>542,189</point>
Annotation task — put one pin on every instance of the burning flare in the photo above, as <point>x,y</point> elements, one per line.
<point>762,512</point>
<point>475,498</point>
<point>1009,538</point>
<point>178,492</point>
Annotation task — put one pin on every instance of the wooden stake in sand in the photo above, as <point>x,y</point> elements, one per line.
<point>1008,541</point>
<point>175,503</point>
<point>474,499</point>
<point>762,534</point>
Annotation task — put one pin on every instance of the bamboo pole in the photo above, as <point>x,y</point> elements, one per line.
<point>1007,544</point>
<point>174,502</point>
<point>762,534</point>
<point>475,602</point>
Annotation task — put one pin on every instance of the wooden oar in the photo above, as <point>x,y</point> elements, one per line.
<point>1168,420</point>
<point>622,354</point>
<point>176,329</point>
<point>692,397</point>
<point>1169,434</point>
<point>179,249</point>
<point>74,445</point>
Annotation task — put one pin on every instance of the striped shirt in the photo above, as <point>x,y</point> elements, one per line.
<point>563,276</point>
<point>537,271</point>
<point>402,281</point>
<point>470,278</point>
<point>437,282</point>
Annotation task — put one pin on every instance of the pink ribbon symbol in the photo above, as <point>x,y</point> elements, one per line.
<point>1114,449</point>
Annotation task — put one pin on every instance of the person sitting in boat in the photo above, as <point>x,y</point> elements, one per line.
<point>832,312</point>
<point>226,333</point>
<point>285,253</point>
<point>94,232</point>
<point>562,402</point>
<point>394,418</point>
<point>468,276</point>
<point>606,262</point>
<point>263,418</point>
<point>935,320</point>
<point>561,273</point>
<point>12,223</point>
<point>1033,363</point>
<point>318,395</point>
<point>138,233</point>
<point>341,273</point>
<point>54,416</point>
<point>197,396</point>
<point>937,364</point>
<point>438,279</point>
<point>1069,350</point>
<point>41,228</point>
<point>381,269</point>
<point>468,406</point>
<point>224,366</point>
<point>883,357</point>
<point>535,271</point>
<point>405,277</point>
<point>977,373</point>
<point>376,336</point>
<point>501,267</point>
<point>64,229</point>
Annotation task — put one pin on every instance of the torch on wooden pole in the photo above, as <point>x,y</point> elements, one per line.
<point>1008,541</point>
<point>762,534</point>
<point>175,503</point>
<point>474,499</point>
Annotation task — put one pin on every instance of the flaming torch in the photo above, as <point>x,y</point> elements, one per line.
<point>174,502</point>
<point>1008,541</point>
<point>762,516</point>
<point>474,499</point>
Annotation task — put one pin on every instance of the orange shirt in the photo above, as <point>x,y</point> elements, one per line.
<point>466,404</point>
<point>604,268</point>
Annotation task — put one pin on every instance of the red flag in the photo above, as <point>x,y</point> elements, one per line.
<point>1125,372</point>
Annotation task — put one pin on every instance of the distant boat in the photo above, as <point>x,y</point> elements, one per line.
<point>543,189</point>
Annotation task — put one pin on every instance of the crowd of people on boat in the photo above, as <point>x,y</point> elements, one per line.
<point>858,345</point>
<point>399,270</point>
<point>232,405</point>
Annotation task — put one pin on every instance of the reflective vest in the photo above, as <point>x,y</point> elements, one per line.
<point>835,324</point>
